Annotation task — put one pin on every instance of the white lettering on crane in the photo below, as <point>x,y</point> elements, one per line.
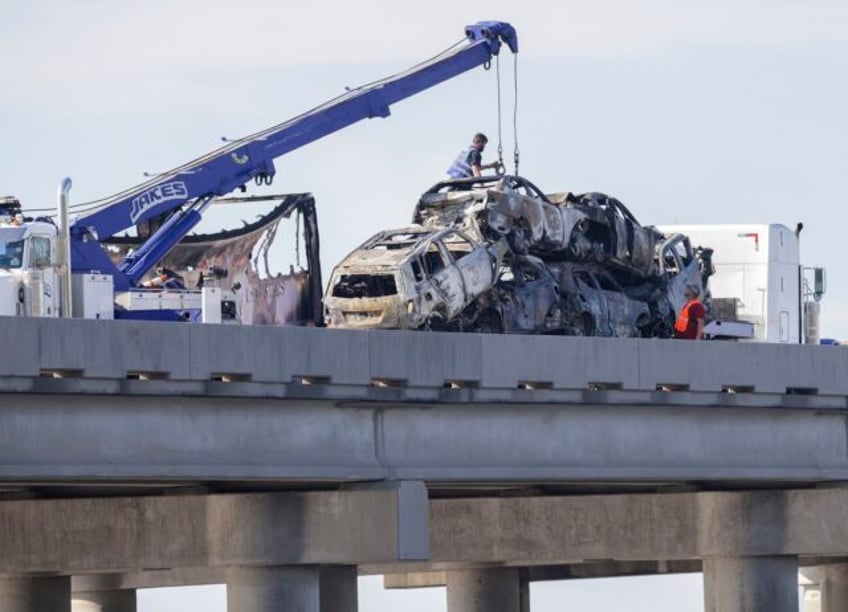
<point>162,193</point>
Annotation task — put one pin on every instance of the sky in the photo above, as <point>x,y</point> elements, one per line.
<point>695,112</point>
<point>689,112</point>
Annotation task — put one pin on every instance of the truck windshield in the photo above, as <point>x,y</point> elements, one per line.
<point>11,247</point>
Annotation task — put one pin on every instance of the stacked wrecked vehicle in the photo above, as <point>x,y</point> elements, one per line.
<point>496,254</point>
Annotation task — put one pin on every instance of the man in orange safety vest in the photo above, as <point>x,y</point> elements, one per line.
<point>690,323</point>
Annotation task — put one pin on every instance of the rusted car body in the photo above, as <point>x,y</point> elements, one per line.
<point>411,278</point>
<point>555,264</point>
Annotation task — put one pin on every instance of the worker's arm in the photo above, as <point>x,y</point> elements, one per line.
<point>699,333</point>
<point>495,164</point>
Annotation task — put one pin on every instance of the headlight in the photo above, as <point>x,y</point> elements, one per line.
<point>410,306</point>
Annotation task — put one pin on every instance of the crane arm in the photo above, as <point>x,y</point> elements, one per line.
<point>251,158</point>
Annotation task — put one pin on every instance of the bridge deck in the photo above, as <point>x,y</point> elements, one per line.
<point>97,403</point>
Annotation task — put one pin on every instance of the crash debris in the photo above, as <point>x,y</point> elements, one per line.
<point>496,254</point>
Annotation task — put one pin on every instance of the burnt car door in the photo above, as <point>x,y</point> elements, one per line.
<point>596,301</point>
<point>451,270</point>
<point>476,263</point>
<point>529,293</point>
<point>440,283</point>
<point>680,267</point>
<point>625,314</point>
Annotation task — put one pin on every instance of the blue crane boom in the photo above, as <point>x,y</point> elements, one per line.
<point>186,191</point>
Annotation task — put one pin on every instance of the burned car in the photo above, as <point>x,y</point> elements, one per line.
<point>524,299</point>
<point>411,278</point>
<point>496,254</point>
<point>568,298</point>
<point>597,305</point>
<point>588,227</point>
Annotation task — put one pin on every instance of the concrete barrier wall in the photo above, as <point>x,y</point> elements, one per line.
<point>116,349</point>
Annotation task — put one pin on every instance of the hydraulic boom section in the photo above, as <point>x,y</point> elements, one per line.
<point>187,188</point>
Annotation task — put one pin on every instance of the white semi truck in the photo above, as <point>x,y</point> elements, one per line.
<point>760,290</point>
<point>35,281</point>
<point>28,268</point>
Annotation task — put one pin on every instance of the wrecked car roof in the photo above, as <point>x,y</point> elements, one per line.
<point>391,247</point>
<point>370,258</point>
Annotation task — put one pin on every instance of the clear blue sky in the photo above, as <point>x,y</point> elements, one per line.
<point>728,111</point>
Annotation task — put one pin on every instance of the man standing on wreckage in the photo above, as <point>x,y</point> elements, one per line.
<point>469,162</point>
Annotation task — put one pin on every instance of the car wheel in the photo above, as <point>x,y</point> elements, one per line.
<point>583,325</point>
<point>489,322</point>
<point>643,327</point>
<point>435,322</point>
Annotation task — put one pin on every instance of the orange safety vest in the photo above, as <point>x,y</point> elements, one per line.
<point>682,323</point>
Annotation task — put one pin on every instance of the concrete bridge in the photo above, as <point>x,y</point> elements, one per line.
<point>286,461</point>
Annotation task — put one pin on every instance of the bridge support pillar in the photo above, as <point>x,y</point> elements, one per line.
<point>122,600</point>
<point>497,589</point>
<point>751,584</point>
<point>285,588</point>
<point>31,594</point>
<point>833,587</point>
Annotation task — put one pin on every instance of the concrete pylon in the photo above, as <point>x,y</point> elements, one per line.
<point>123,600</point>
<point>286,588</point>
<point>41,594</point>
<point>833,587</point>
<point>497,589</point>
<point>751,584</point>
<point>812,598</point>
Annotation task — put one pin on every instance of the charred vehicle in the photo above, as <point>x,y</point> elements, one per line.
<point>589,227</point>
<point>570,298</point>
<point>566,264</point>
<point>597,305</point>
<point>411,278</point>
<point>526,299</point>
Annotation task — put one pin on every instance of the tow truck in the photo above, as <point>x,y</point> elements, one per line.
<point>35,255</point>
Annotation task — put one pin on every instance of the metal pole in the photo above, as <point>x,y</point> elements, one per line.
<point>65,245</point>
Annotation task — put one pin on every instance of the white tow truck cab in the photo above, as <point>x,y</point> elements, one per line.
<point>759,282</point>
<point>32,269</point>
<point>29,272</point>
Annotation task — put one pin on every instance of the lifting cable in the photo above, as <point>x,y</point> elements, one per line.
<point>500,137</point>
<point>516,152</point>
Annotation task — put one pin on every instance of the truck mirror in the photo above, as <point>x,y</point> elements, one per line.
<point>819,283</point>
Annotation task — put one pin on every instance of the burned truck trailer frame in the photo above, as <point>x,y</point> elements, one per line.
<point>236,260</point>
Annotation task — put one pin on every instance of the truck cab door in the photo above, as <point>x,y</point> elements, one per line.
<point>42,277</point>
